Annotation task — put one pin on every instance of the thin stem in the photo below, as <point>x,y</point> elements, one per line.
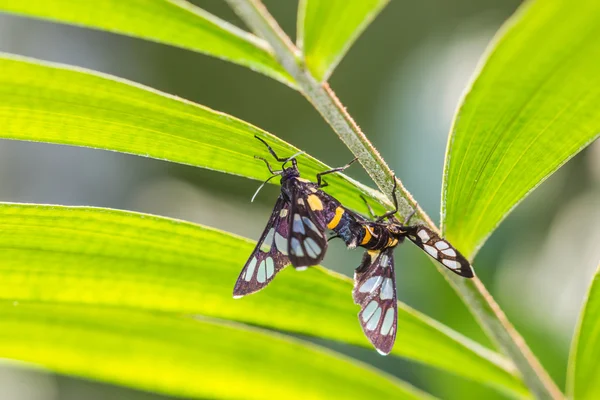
<point>322,97</point>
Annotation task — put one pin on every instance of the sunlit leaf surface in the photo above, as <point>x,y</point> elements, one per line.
<point>103,257</point>
<point>584,363</point>
<point>327,29</point>
<point>183,357</point>
<point>55,104</point>
<point>533,106</point>
<point>173,22</point>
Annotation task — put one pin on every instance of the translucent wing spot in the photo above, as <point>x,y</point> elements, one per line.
<point>270,267</point>
<point>281,244</point>
<point>300,201</point>
<point>441,245</point>
<point>387,290</point>
<point>312,248</point>
<point>268,242</point>
<point>449,252</point>
<point>423,235</point>
<point>371,284</point>
<point>314,202</point>
<point>298,225</point>
<point>250,270</point>
<point>296,249</point>
<point>261,275</point>
<point>431,250</point>
<point>369,310</point>
<point>383,353</point>
<point>283,213</point>
<point>374,320</point>
<point>451,264</point>
<point>312,226</point>
<point>388,322</point>
<point>384,260</point>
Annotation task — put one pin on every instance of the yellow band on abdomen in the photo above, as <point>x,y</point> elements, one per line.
<point>336,218</point>
<point>368,235</point>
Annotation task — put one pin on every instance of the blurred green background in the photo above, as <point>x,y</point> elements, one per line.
<point>402,82</point>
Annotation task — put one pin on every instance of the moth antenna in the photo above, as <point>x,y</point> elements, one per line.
<point>263,184</point>
<point>293,158</point>
<point>295,155</point>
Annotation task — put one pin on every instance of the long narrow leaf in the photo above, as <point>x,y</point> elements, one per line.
<point>327,29</point>
<point>533,107</point>
<point>55,104</point>
<point>173,22</point>
<point>113,258</point>
<point>183,357</point>
<point>584,362</point>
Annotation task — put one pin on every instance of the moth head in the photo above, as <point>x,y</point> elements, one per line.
<point>291,171</point>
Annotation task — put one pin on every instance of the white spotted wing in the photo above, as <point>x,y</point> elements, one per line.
<point>270,254</point>
<point>307,241</point>
<point>375,292</point>
<point>439,249</point>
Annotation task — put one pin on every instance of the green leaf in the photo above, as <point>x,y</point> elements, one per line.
<point>105,257</point>
<point>327,29</point>
<point>584,360</point>
<point>533,106</point>
<point>183,357</point>
<point>55,104</point>
<point>173,22</point>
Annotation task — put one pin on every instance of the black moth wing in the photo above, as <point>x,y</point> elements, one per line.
<point>270,254</point>
<point>375,292</point>
<point>307,241</point>
<point>439,249</point>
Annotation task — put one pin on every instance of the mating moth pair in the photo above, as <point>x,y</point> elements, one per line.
<point>296,234</point>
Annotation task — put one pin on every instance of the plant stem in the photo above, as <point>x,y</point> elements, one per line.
<point>472,291</point>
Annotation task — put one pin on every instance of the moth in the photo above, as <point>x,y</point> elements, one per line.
<point>296,231</point>
<point>296,234</point>
<point>374,279</point>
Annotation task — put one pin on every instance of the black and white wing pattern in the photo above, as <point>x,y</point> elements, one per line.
<point>307,241</point>
<point>375,292</point>
<point>270,254</point>
<point>439,249</point>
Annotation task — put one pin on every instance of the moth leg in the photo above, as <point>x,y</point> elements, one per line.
<point>412,214</point>
<point>395,199</point>
<point>371,212</point>
<point>321,183</point>
<point>390,214</point>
